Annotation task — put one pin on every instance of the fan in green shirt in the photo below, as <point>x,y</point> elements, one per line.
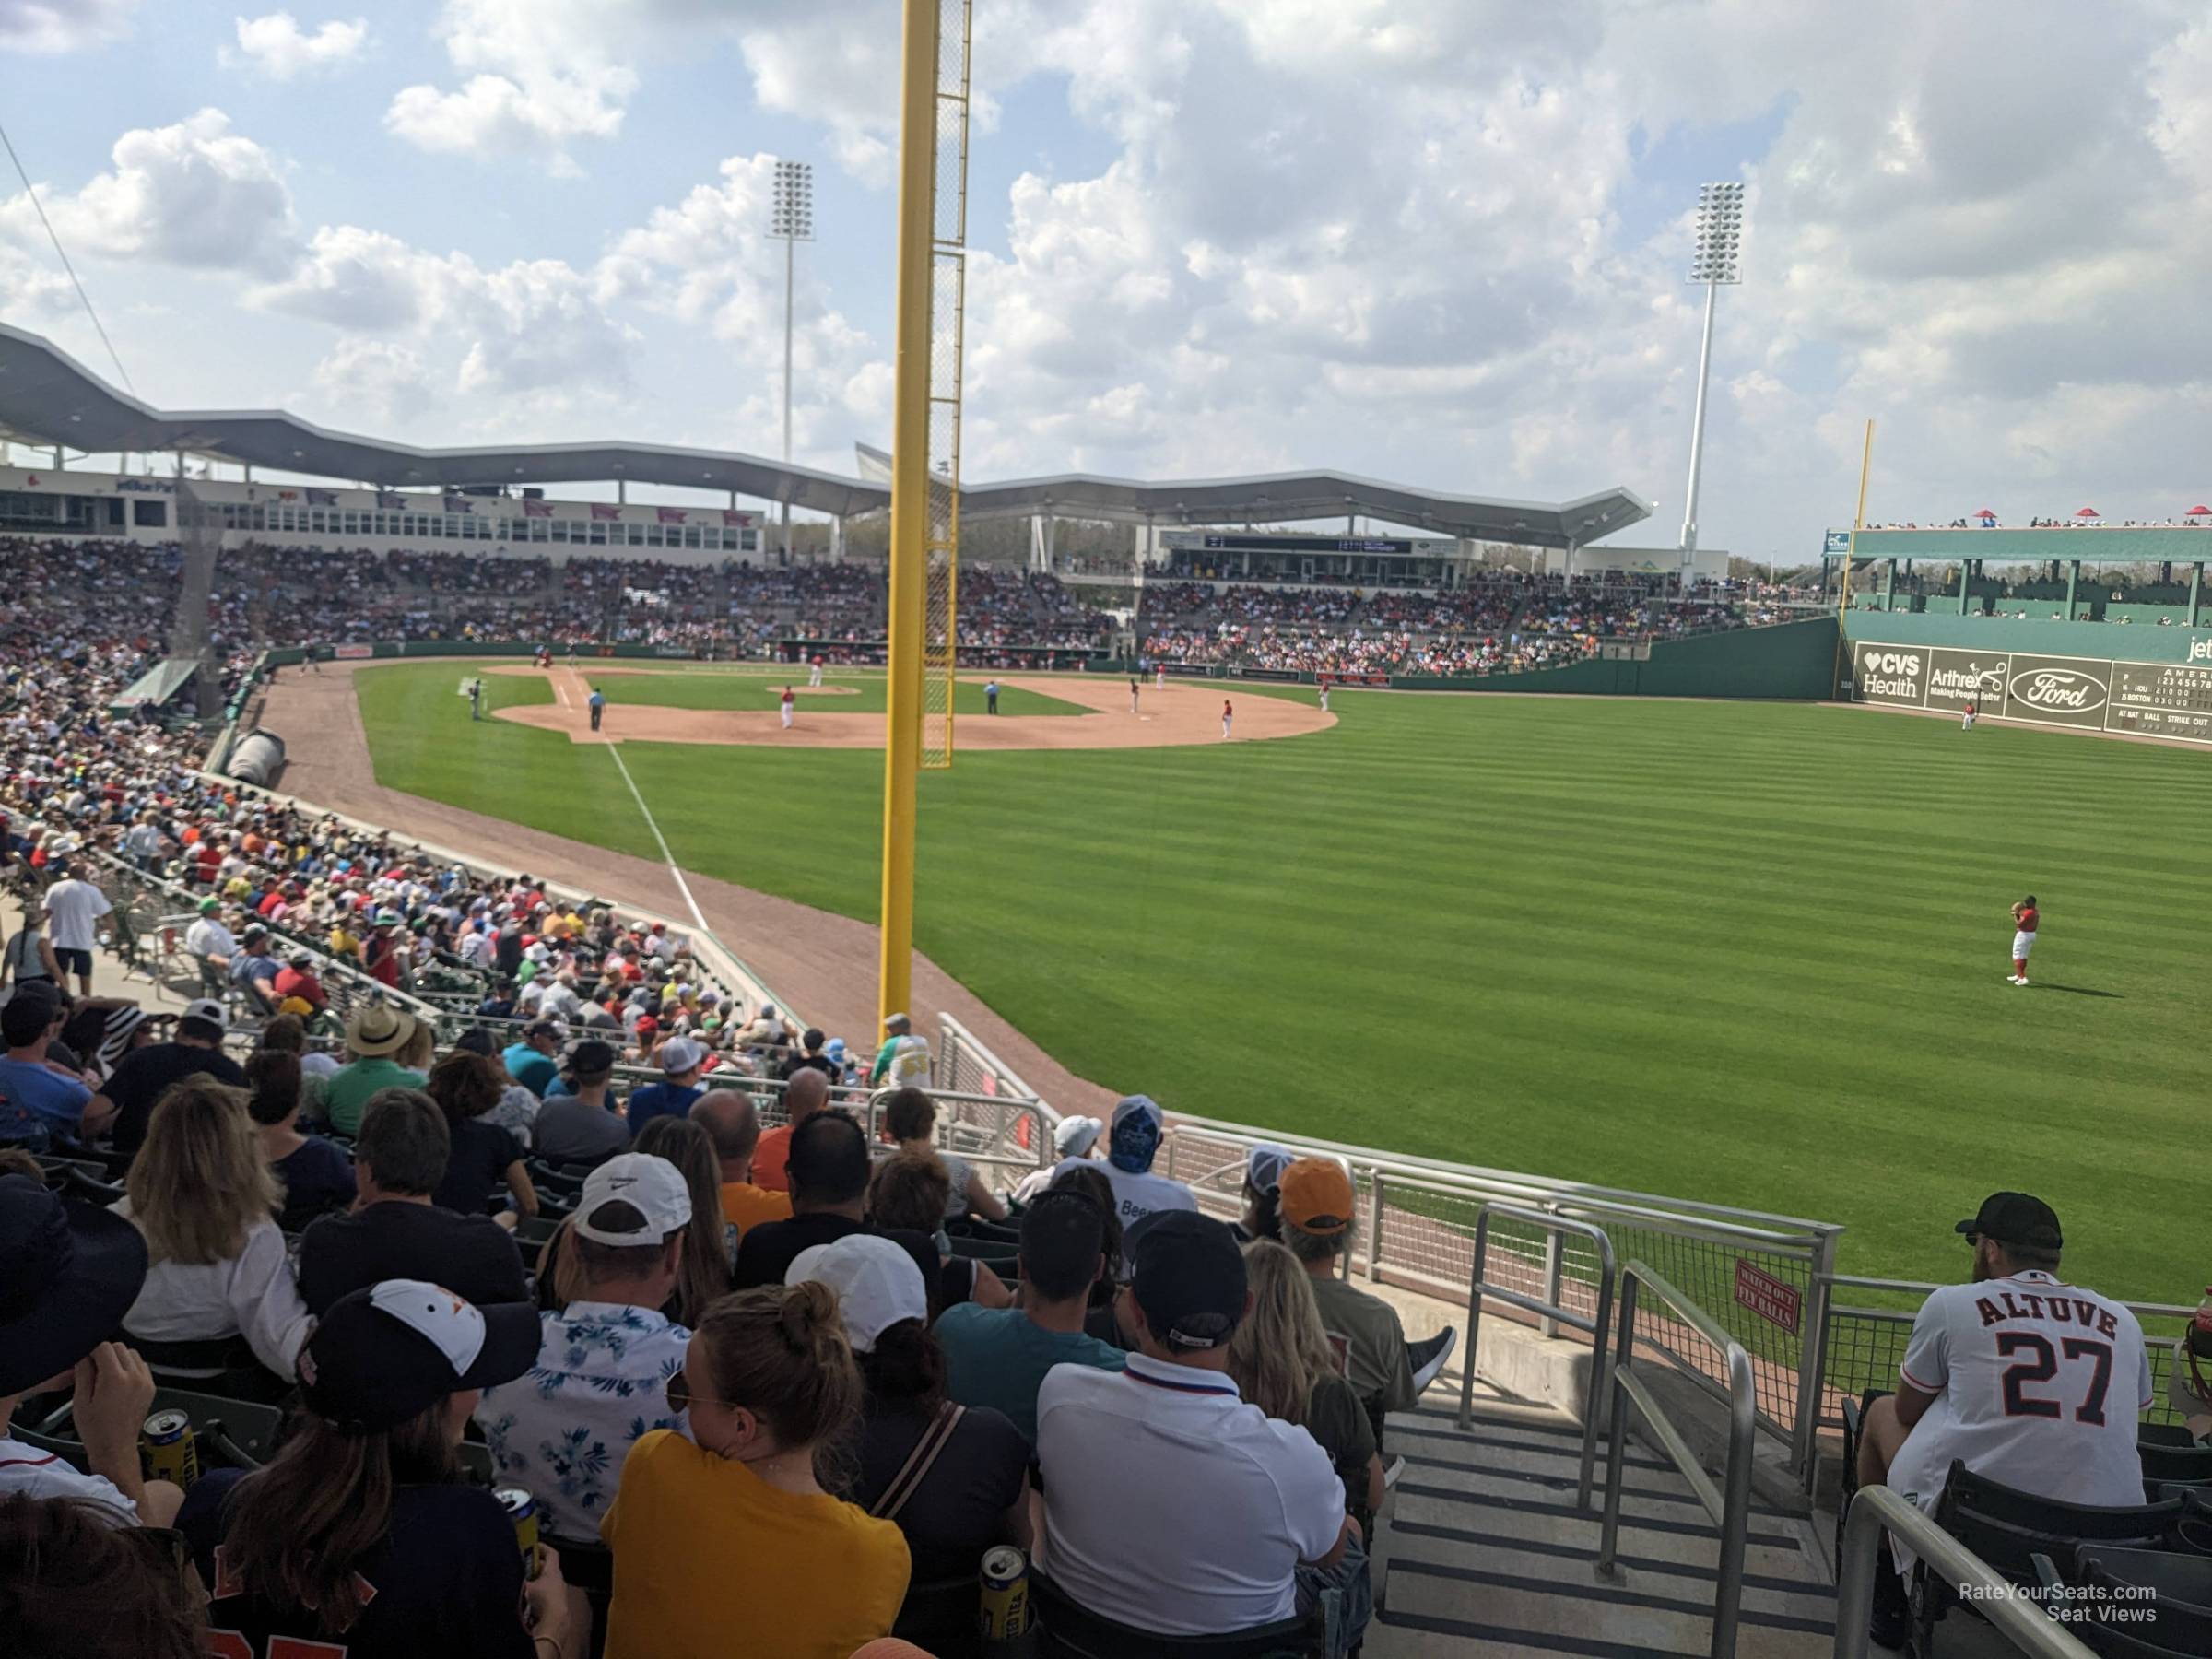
<point>998,1357</point>
<point>373,1037</point>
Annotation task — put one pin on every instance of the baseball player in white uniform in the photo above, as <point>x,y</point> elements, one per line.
<point>2030,1381</point>
<point>814,674</point>
<point>1324,696</point>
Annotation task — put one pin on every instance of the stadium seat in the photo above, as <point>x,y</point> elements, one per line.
<point>2009,1528</point>
<point>2163,1434</point>
<point>941,1615</point>
<point>2168,1462</point>
<point>1070,1631</point>
<point>222,1368</point>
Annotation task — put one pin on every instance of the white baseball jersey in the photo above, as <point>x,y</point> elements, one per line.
<point>2037,1385</point>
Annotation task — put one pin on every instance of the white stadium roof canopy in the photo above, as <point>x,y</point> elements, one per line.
<point>47,398</point>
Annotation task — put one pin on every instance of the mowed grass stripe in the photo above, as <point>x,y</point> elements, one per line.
<point>1747,953</point>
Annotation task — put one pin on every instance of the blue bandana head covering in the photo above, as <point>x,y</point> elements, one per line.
<point>1135,1135</point>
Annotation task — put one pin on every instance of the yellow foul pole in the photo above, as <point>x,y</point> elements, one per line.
<point>910,502</point>
<point>1858,522</point>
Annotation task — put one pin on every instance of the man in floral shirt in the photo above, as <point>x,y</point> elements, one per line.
<point>562,1429</point>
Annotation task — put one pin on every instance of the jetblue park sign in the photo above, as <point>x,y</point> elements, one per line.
<point>2163,699</point>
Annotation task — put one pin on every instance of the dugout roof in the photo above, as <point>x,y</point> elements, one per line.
<point>47,398</point>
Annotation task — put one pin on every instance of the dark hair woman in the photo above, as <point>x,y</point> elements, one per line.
<point>363,1528</point>
<point>316,1174</point>
<point>466,1086</point>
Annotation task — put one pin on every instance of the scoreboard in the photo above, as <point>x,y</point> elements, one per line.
<point>2167,699</point>
<point>2160,699</point>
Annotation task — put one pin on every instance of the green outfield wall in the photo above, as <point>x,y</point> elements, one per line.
<point>1791,659</point>
<point>2132,642</point>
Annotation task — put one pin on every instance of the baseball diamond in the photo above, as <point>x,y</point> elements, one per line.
<point>1749,943</point>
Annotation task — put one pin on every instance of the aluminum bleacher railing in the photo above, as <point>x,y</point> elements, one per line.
<point>2011,1612</point>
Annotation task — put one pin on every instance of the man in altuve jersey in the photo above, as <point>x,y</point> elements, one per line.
<point>2030,1381</point>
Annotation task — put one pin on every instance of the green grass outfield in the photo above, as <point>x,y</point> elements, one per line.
<point>1747,953</point>
<point>740,689</point>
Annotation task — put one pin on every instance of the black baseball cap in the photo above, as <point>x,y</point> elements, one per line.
<point>2016,1218</point>
<point>384,1355</point>
<point>1189,1279</point>
<point>68,1273</point>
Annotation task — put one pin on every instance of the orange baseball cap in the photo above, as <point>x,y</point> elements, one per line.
<point>1316,1196</point>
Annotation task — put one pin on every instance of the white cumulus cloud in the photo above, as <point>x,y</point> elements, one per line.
<point>280,49</point>
<point>541,74</point>
<point>195,194</point>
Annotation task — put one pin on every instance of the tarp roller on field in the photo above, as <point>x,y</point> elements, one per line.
<point>2158,699</point>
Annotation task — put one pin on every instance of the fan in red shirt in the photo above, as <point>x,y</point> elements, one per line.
<point>2024,919</point>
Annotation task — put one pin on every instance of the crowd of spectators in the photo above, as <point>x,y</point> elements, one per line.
<point>1504,621</point>
<point>819,1386</point>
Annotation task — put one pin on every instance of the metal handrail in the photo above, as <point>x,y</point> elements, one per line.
<point>1549,1307</point>
<point>1729,1507</point>
<point>1997,1598</point>
<point>1786,1232</point>
<point>334,970</point>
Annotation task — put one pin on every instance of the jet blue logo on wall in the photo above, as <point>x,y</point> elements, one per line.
<point>1838,541</point>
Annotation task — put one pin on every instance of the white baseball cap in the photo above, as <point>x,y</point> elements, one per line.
<point>876,1282</point>
<point>1072,1136</point>
<point>651,1185</point>
<point>206,1011</point>
<point>680,1054</point>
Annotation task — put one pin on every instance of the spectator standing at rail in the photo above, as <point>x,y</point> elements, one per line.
<point>29,958</point>
<point>903,1058</point>
<point>73,907</point>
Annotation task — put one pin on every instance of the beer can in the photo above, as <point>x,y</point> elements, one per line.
<point>1005,1592</point>
<point>522,1509</point>
<point>169,1448</point>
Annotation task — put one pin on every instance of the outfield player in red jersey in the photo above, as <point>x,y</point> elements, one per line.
<point>2024,1378</point>
<point>1966,722</point>
<point>2024,919</point>
<point>1228,714</point>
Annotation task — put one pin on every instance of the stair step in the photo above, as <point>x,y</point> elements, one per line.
<point>1775,1556</point>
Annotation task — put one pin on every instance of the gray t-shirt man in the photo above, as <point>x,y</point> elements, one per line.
<point>571,1131</point>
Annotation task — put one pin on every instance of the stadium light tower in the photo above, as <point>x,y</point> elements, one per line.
<point>791,222</point>
<point>1720,240</point>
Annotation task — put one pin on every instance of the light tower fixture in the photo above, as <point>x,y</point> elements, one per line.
<point>791,222</point>
<point>1714,262</point>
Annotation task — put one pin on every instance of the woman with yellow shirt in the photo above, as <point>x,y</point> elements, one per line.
<point>725,1540</point>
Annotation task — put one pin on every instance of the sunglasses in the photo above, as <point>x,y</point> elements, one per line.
<point>678,1391</point>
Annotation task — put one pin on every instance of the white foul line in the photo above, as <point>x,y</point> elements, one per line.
<point>682,886</point>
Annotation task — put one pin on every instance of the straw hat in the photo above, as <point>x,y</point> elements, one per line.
<point>379,1028</point>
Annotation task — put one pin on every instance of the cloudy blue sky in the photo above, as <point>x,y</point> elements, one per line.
<point>1433,240</point>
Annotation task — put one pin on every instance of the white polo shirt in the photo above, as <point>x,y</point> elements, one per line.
<point>2037,1385</point>
<point>1174,1506</point>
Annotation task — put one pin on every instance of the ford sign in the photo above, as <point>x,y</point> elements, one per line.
<point>2058,690</point>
